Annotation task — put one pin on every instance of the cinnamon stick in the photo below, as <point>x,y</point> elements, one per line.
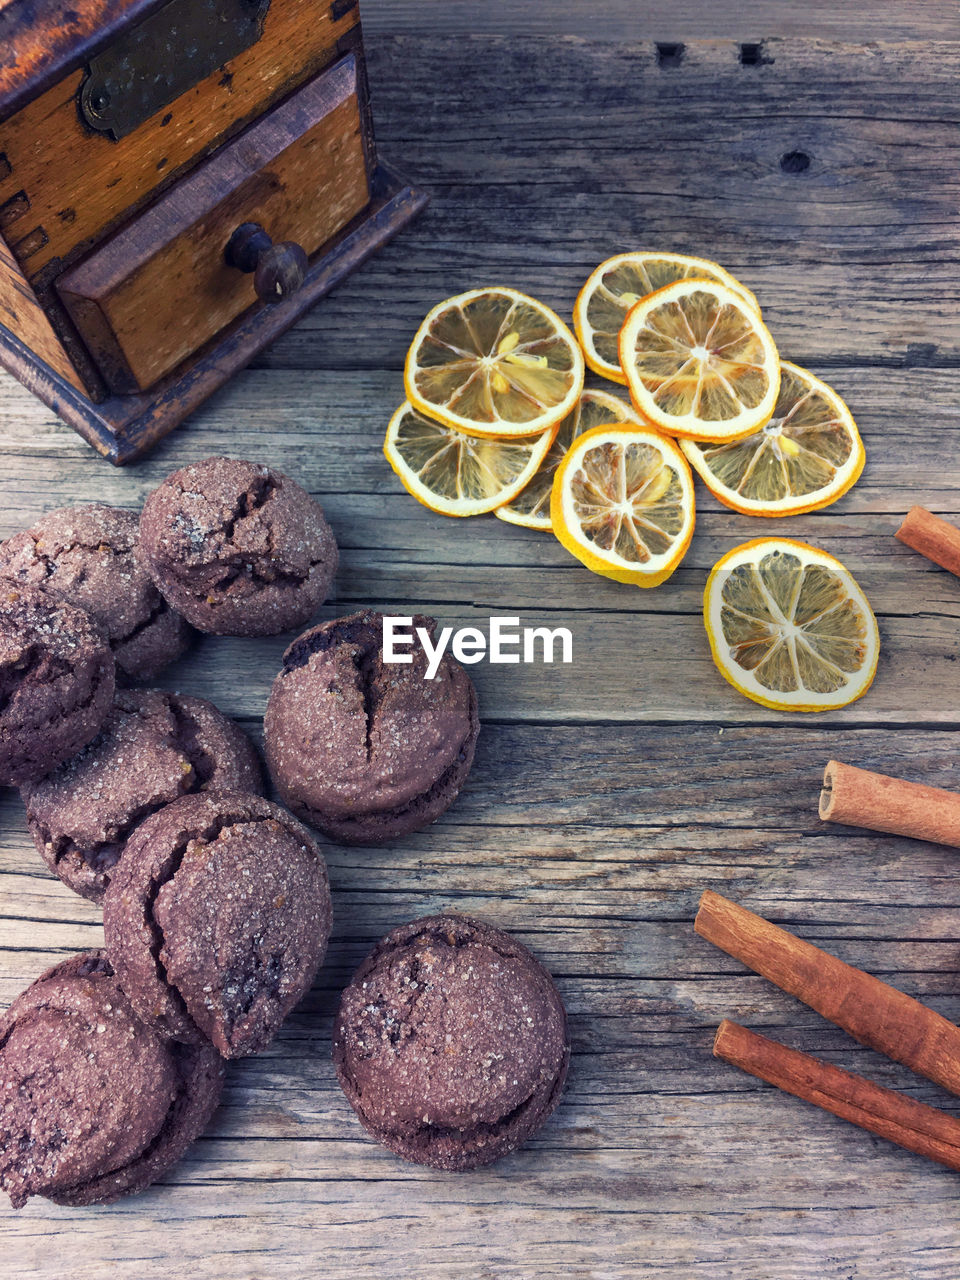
<point>885,1112</point>
<point>859,798</point>
<point>934,538</point>
<point>874,1013</point>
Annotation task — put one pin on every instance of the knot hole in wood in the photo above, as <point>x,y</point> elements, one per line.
<point>752,55</point>
<point>669,55</point>
<point>795,162</point>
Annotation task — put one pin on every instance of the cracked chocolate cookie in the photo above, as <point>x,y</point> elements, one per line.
<point>451,1043</point>
<point>56,682</point>
<point>93,1104</point>
<point>217,919</point>
<point>88,556</point>
<point>364,750</point>
<point>154,748</point>
<point>238,548</point>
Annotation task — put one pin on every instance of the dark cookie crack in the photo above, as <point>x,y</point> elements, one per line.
<point>316,817</point>
<point>186,739</point>
<point>465,939</point>
<point>34,666</point>
<point>204,835</point>
<point>156,612</point>
<point>258,570</point>
<point>38,727</point>
<point>253,499</point>
<point>427,1134</point>
<point>358,631</point>
<point>393,1020</point>
<point>261,977</point>
<point>102,856</point>
<point>365,640</point>
<point>50,562</point>
<point>213,548</point>
<point>168,1126</point>
<point>370,685</point>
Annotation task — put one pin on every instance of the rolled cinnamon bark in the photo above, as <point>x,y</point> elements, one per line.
<point>859,798</point>
<point>934,538</point>
<point>874,1013</point>
<point>889,1114</point>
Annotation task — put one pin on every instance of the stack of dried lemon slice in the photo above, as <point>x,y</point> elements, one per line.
<point>490,377</point>
<point>687,338</point>
<point>497,419</point>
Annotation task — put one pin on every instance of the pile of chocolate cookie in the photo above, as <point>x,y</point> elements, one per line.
<point>451,1041</point>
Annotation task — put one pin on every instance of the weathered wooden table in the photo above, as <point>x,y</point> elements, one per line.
<point>608,794</point>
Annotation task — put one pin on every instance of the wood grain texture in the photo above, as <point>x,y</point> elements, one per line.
<point>161,288</point>
<point>605,797</point>
<point>627,22</point>
<point>395,551</point>
<point>855,260</point>
<point>80,184</point>
<point>21,312</point>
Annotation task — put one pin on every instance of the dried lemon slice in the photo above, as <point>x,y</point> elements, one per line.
<point>618,284</point>
<point>622,503</point>
<point>493,362</point>
<point>531,506</point>
<point>700,362</point>
<point>807,456</point>
<point>457,474</point>
<point>789,627</point>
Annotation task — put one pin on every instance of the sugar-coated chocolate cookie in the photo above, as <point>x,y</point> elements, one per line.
<point>217,919</point>
<point>451,1043</point>
<point>238,548</point>
<point>154,747</point>
<point>56,682</point>
<point>88,556</point>
<point>364,750</point>
<point>93,1104</point>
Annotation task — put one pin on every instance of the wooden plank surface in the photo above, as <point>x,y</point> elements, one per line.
<point>607,795</point>
<point>855,260</point>
<point>627,22</point>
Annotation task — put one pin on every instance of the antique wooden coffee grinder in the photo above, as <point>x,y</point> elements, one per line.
<point>179,181</point>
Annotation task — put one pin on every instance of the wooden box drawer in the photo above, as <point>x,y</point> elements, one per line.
<point>161,287</point>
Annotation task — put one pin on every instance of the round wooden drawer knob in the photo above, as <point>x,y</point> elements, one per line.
<point>278,269</point>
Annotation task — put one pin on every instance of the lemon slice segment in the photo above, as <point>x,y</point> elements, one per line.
<point>700,362</point>
<point>807,456</point>
<point>456,474</point>
<point>789,627</point>
<point>622,503</point>
<point>618,284</point>
<point>531,506</point>
<point>493,362</point>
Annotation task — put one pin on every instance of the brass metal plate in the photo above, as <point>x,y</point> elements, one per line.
<point>155,62</point>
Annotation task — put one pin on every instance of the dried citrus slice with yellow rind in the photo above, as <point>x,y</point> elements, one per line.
<point>622,503</point>
<point>789,627</point>
<point>807,456</point>
<point>457,474</point>
<point>618,284</point>
<point>700,362</point>
<point>531,506</point>
<point>493,362</point>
